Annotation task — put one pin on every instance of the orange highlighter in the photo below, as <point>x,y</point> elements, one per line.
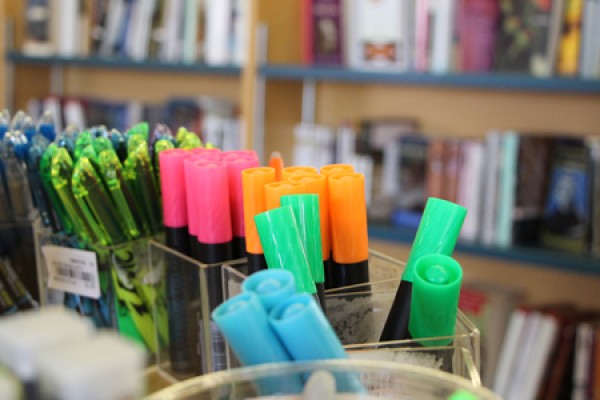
<point>276,162</point>
<point>274,191</point>
<point>253,187</point>
<point>317,184</point>
<point>288,172</point>
<point>349,235</point>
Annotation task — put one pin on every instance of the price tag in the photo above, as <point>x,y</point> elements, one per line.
<point>71,270</point>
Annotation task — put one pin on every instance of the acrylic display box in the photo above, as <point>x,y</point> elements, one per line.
<point>349,379</point>
<point>357,317</point>
<point>112,285</point>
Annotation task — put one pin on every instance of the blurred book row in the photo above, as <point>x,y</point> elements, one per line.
<point>545,351</point>
<point>189,31</point>
<point>521,188</point>
<point>217,119</point>
<point>542,38</point>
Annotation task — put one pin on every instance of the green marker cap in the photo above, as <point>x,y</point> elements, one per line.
<point>462,395</point>
<point>280,239</point>
<point>435,293</point>
<point>437,234</point>
<point>141,129</point>
<point>83,140</point>
<point>306,211</point>
<point>190,141</point>
<point>134,141</point>
<point>101,143</point>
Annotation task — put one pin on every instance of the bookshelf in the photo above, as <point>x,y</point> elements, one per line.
<point>271,97</point>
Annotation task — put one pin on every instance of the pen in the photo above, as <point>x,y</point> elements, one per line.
<point>276,162</point>
<point>235,165</point>
<point>119,144</point>
<point>253,185</point>
<point>46,126</point>
<point>437,234</point>
<point>16,178</point>
<point>182,284</point>
<point>83,140</point>
<point>288,172</point>
<point>350,242</point>
<point>62,218</point>
<point>317,184</point>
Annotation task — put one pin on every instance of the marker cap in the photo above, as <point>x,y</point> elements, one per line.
<point>172,185</point>
<point>253,185</point>
<point>317,184</point>
<point>274,191</point>
<point>437,233</point>
<point>192,207</point>
<point>436,289</point>
<point>287,172</point>
<point>332,169</point>
<point>211,194</point>
<point>271,286</point>
<point>235,154</point>
<point>213,154</point>
<point>282,245</point>
<point>306,211</point>
<point>235,166</point>
<point>347,205</point>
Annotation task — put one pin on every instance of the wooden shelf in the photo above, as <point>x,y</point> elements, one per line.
<point>124,63</point>
<point>537,257</point>
<point>489,81</point>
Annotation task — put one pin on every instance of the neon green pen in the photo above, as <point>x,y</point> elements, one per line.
<point>139,128</point>
<point>46,175</point>
<point>83,140</point>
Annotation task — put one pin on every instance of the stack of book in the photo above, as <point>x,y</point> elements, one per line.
<point>542,38</point>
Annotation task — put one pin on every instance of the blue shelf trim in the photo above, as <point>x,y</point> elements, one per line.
<point>124,63</point>
<point>473,81</point>
<point>537,257</point>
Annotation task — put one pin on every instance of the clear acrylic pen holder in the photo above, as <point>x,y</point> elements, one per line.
<point>70,272</point>
<point>357,317</point>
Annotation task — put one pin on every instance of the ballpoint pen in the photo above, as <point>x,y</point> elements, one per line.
<point>16,176</point>
<point>40,197</point>
<point>83,140</point>
<point>140,128</point>
<point>46,126</point>
<point>119,144</point>
<point>134,140</point>
<point>190,141</point>
<point>62,218</point>
<point>101,143</point>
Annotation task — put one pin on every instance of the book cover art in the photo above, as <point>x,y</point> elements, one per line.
<point>567,211</point>
<point>326,32</point>
<point>570,38</point>
<point>525,36</point>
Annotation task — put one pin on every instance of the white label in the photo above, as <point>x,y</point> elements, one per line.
<point>71,270</point>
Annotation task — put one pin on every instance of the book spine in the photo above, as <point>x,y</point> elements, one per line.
<point>327,32</point>
<point>507,187</point>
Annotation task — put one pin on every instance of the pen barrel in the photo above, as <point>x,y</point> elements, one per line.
<point>274,191</point>
<point>270,286</point>
<point>282,246</point>
<point>435,295</point>
<point>253,185</point>
<point>288,172</point>
<point>348,209</point>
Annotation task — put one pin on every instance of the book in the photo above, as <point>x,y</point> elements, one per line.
<point>435,168</point>
<point>476,29</point>
<point>138,39</point>
<point>594,146</point>
<point>489,307</point>
<point>38,29</point>
<point>570,38</point>
<point>470,183</point>
<point>583,362</point>
<point>218,27</point>
<point>326,32</point>
<point>239,31</point>
<point>421,28</point>
<point>451,170</point>
<point>442,35</point>
<point>377,34</point>
<point>590,40</point>
<point>306,31</point>
<point>507,360</point>
<point>173,25</point>
<point>567,208</point>
<point>490,187</point>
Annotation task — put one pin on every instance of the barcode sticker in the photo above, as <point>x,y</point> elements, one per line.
<point>71,270</point>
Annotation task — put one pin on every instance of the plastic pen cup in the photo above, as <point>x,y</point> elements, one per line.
<point>274,191</point>
<point>348,214</point>
<point>317,184</point>
<point>235,166</point>
<point>307,335</point>
<point>436,290</point>
<point>253,185</point>
<point>244,322</point>
<point>437,234</point>
<point>306,212</point>
<point>271,286</point>
<point>283,247</point>
<point>288,172</point>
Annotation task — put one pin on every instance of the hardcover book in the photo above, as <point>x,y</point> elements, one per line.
<point>477,22</point>
<point>326,35</point>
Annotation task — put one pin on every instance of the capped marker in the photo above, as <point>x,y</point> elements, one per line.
<point>436,291</point>
<point>276,162</point>
<point>182,285</point>
<point>271,286</point>
<point>288,172</point>
<point>274,191</point>
<point>437,234</point>
<point>235,165</point>
<point>317,184</point>
<point>306,212</point>
<point>281,242</point>
<point>349,233</point>
<point>239,154</point>
<point>253,185</point>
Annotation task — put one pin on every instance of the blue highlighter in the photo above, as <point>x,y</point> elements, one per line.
<point>271,286</point>
<point>307,335</point>
<point>244,323</point>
